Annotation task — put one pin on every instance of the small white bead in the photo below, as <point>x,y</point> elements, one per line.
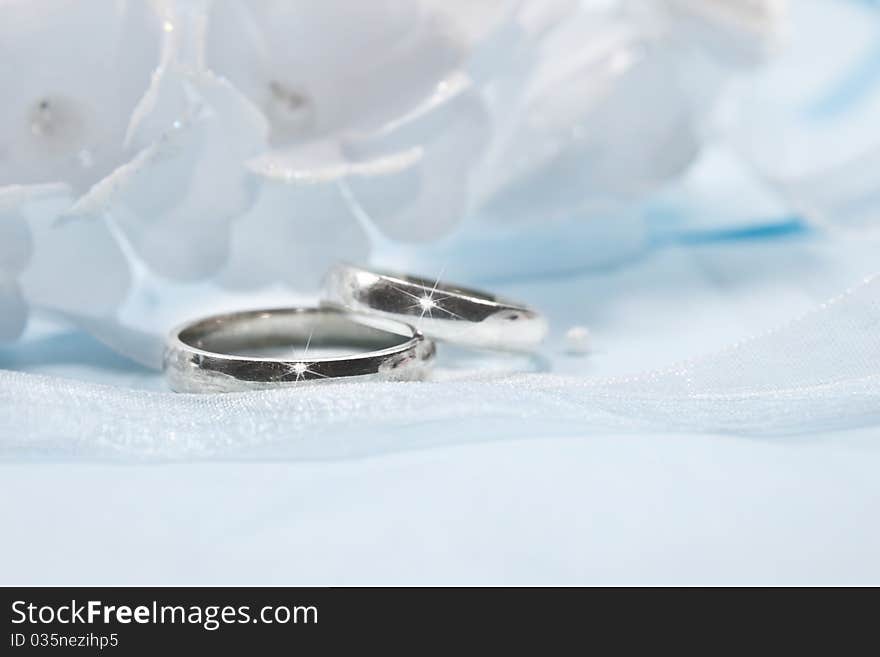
<point>578,340</point>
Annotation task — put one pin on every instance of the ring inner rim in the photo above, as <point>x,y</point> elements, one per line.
<point>374,336</point>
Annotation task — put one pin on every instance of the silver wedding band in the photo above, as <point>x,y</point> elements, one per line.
<point>439,310</point>
<point>225,353</point>
<point>388,320</point>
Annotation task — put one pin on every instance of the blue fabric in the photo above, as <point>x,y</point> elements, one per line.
<point>592,508</point>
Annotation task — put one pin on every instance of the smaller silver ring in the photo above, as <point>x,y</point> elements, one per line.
<point>441,311</point>
<point>224,353</point>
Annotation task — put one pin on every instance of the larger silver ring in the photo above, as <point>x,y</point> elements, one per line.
<point>226,353</point>
<point>439,310</point>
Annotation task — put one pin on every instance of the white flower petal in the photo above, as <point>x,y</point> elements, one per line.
<point>170,99</point>
<point>427,200</point>
<point>473,19</point>
<point>16,244</point>
<point>144,347</point>
<point>15,197</point>
<point>736,32</point>
<point>13,309</point>
<point>582,131</point>
<point>71,73</point>
<point>292,235</point>
<point>419,204</point>
<point>324,161</point>
<point>317,67</point>
<point>182,231</point>
<point>596,235</point>
<point>77,265</point>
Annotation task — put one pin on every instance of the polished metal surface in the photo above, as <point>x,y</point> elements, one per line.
<point>273,348</point>
<point>439,310</point>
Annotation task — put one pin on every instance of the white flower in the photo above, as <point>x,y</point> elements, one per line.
<point>69,88</point>
<point>192,131</point>
<point>254,143</point>
<point>373,126</point>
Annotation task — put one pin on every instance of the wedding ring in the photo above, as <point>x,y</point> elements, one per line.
<point>439,310</point>
<point>262,349</point>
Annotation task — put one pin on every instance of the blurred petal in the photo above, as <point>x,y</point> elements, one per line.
<point>736,32</point>
<point>13,309</point>
<point>71,74</point>
<point>516,36</point>
<point>168,100</point>
<point>319,66</point>
<point>141,346</point>
<point>616,232</point>
<point>284,237</point>
<point>582,130</point>
<point>183,232</point>
<point>808,125</point>
<point>427,200</point>
<point>325,161</point>
<point>16,244</point>
<point>77,265</point>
